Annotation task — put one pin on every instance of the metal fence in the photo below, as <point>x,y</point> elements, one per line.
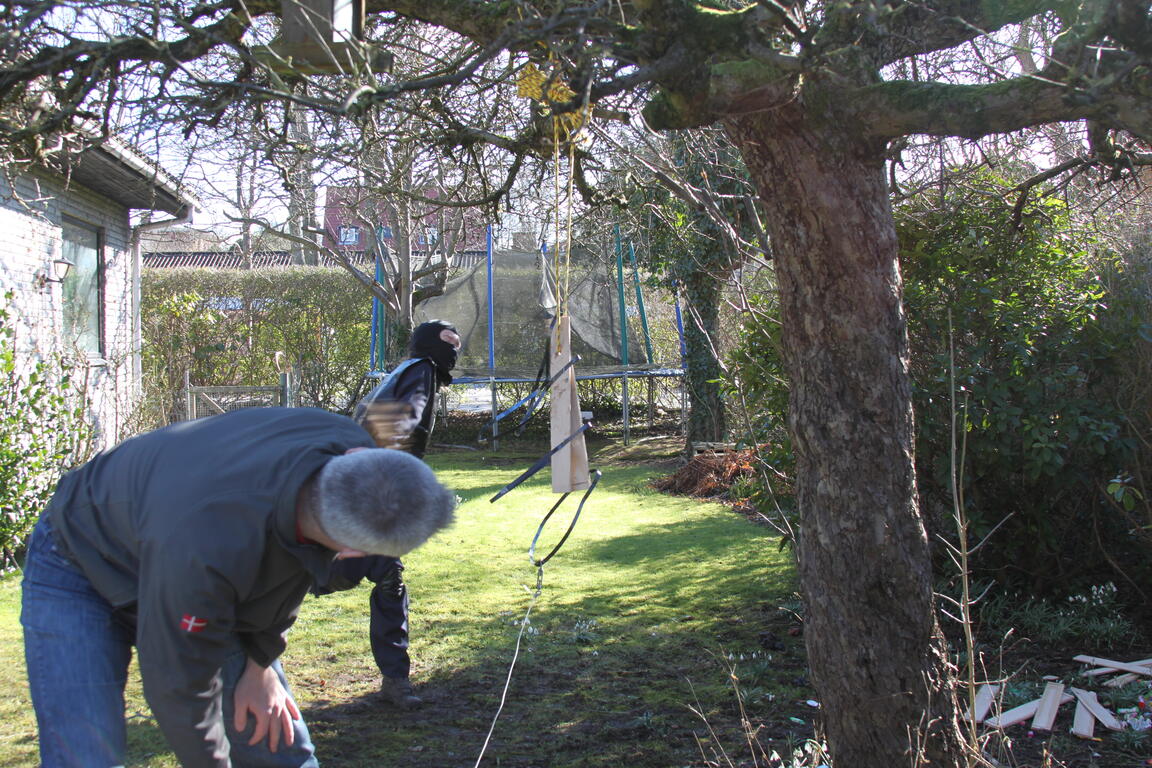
<point>206,401</point>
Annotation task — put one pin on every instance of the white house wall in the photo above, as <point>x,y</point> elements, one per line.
<point>30,238</point>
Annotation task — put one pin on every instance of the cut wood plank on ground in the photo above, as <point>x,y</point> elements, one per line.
<point>1019,714</point>
<point>1098,710</point>
<point>1083,724</point>
<point>1122,680</point>
<point>1139,668</point>
<point>985,694</point>
<point>1049,704</point>
<point>1109,670</point>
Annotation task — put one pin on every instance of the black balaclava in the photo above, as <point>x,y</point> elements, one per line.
<point>426,342</point>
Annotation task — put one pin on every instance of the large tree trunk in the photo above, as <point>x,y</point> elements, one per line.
<point>706,423</point>
<point>871,635</point>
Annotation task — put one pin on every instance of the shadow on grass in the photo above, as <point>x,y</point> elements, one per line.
<point>686,540</point>
<point>552,717</point>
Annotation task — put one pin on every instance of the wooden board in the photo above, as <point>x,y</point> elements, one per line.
<point>1020,713</point>
<point>985,694</point>
<point>1110,670</point>
<point>1083,724</point>
<point>713,447</point>
<point>1098,710</point>
<point>1122,680</point>
<point>570,463</point>
<point>1049,704</point>
<point>1016,715</point>
<point>1138,668</point>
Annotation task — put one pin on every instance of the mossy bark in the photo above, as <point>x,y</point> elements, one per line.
<point>873,643</point>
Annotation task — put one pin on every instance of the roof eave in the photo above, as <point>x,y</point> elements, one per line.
<point>112,168</point>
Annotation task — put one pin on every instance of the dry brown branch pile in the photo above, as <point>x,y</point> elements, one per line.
<point>708,475</point>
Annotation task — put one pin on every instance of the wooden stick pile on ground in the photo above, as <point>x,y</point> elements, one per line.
<point>1042,711</point>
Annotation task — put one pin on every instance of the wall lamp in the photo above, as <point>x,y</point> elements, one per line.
<point>55,272</point>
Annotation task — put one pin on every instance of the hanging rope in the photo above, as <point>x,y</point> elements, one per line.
<point>515,657</point>
<point>567,128</point>
<point>539,564</point>
<point>534,84</point>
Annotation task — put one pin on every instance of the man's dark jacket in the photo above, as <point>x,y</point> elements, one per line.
<point>192,528</point>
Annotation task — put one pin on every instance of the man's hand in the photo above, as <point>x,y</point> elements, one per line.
<point>259,691</point>
<point>391,423</point>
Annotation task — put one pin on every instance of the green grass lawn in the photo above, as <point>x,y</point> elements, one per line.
<point>647,612</point>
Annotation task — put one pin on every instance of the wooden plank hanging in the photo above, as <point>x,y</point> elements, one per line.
<point>570,463</point>
<point>307,21</point>
<point>322,37</point>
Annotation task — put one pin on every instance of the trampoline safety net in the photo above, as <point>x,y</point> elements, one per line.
<point>526,296</point>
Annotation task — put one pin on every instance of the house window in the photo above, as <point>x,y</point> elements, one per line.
<point>83,287</point>
<point>348,235</point>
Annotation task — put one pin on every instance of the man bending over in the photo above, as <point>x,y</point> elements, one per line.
<point>196,544</point>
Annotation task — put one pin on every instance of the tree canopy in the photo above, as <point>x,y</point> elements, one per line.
<point>817,95</point>
<point>690,63</point>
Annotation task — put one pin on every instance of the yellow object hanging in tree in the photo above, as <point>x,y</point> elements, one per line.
<point>532,84</point>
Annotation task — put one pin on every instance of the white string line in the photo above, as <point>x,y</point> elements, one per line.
<point>512,666</point>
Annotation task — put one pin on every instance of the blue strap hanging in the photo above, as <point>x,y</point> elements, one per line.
<point>532,549</point>
<point>540,463</point>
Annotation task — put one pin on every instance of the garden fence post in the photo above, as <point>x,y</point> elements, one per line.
<point>189,398</point>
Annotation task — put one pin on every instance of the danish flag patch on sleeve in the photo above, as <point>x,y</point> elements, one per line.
<point>192,623</point>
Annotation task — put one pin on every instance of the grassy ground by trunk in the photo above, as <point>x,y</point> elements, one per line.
<point>647,611</point>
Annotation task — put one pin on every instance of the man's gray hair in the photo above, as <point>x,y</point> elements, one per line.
<point>381,501</point>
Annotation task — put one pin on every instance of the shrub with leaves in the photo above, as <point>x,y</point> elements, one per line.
<point>1047,357</point>
<point>43,432</point>
<point>244,327</point>
<point>1015,296</point>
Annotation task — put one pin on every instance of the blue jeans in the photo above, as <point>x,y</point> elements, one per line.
<point>77,651</point>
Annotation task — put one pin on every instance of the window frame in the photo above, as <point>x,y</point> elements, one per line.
<point>67,221</point>
<point>349,235</point>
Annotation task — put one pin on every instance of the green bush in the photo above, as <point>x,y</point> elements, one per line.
<point>760,383</point>
<point>245,327</point>
<point>1036,351</point>
<point>43,433</point>
<point>1051,348</point>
